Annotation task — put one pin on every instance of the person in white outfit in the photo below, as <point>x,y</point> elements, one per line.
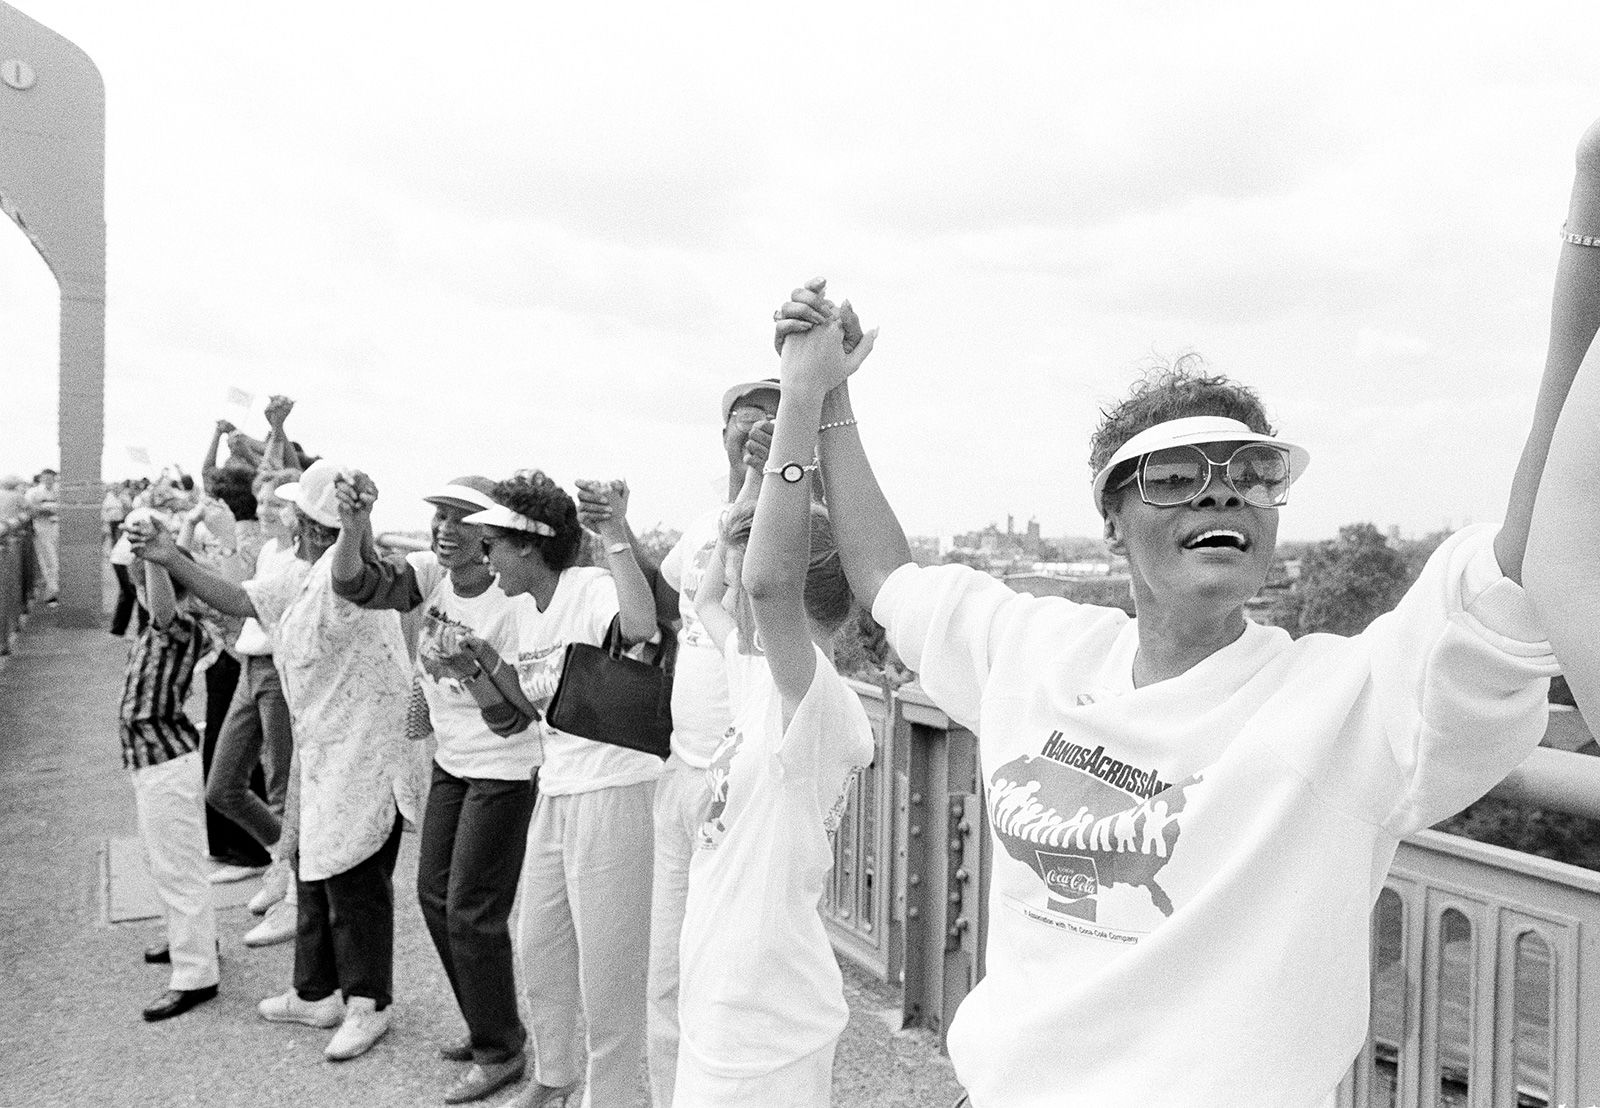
<point>1221,944</point>
<point>582,931</point>
<point>700,721</point>
<point>761,1001</point>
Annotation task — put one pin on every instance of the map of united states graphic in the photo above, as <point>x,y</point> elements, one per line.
<point>1082,836</point>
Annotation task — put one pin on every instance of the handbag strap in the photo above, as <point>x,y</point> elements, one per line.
<point>612,643</point>
<point>663,655</point>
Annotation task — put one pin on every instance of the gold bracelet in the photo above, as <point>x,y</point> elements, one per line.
<point>837,423</point>
<point>1578,240</point>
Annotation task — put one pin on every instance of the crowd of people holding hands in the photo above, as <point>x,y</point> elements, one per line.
<point>1191,812</point>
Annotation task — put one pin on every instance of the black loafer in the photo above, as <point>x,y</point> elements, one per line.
<point>175,1002</point>
<point>485,1078</point>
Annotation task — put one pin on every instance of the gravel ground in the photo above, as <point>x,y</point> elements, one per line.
<point>72,984</point>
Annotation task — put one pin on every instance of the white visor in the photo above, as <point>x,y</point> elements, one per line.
<point>501,516</point>
<point>1194,431</point>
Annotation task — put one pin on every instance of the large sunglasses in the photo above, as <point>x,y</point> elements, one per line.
<point>1257,471</point>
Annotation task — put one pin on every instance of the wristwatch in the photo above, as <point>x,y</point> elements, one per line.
<point>791,472</point>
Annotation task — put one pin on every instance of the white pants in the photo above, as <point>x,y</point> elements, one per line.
<point>681,798</point>
<point>170,801</point>
<point>583,935</point>
<point>804,1083</point>
<point>47,550</point>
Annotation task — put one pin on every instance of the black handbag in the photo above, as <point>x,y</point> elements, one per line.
<point>609,697</point>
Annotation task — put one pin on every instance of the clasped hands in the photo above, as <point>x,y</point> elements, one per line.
<point>603,507</point>
<point>835,345</point>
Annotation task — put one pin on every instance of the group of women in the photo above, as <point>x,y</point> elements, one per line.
<point>1191,812</point>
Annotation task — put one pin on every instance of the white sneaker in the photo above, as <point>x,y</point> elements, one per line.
<point>289,1008</point>
<point>226,875</point>
<point>282,920</point>
<point>363,1025</point>
<point>273,887</point>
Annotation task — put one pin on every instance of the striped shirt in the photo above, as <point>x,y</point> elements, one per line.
<point>161,667</point>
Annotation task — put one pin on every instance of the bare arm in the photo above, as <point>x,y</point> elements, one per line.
<point>709,596</point>
<point>1564,531</point>
<point>872,543</point>
<point>636,603</point>
<point>275,453</point>
<point>155,545</point>
<point>159,594</point>
<point>1574,319</point>
<point>222,428</point>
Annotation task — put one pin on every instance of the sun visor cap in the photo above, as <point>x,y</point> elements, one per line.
<point>1195,431</point>
<point>468,493</point>
<point>738,392</point>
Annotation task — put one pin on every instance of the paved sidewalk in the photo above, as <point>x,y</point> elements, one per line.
<point>72,983</point>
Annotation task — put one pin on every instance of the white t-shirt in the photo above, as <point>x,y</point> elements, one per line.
<point>760,986</point>
<point>273,558</point>
<point>700,715</point>
<point>1184,873</point>
<point>467,747</point>
<point>581,610</point>
<point>346,678</point>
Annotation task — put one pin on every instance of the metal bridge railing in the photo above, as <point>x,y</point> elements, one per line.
<point>1486,962</point>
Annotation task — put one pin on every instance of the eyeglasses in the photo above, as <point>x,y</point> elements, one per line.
<point>1173,475</point>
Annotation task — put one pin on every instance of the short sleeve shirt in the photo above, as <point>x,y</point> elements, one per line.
<point>760,985</point>
<point>581,610</point>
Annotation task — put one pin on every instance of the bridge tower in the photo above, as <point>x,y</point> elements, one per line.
<point>52,186</point>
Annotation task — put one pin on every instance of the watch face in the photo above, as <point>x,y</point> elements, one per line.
<point>793,472</point>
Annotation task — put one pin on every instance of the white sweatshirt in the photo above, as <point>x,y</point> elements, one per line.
<point>1183,873</point>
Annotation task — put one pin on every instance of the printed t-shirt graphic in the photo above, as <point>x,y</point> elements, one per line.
<point>1085,822</point>
<point>712,830</point>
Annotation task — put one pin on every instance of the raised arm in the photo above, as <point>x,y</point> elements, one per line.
<point>872,543</point>
<point>778,556</point>
<point>209,463</point>
<point>710,597</point>
<point>1562,569</point>
<point>275,452</point>
<point>1574,318</point>
<point>359,575</point>
<point>159,595</point>
<point>636,604</point>
<point>154,544</point>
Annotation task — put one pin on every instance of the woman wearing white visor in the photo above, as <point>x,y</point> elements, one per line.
<point>583,928</point>
<point>1192,813</point>
<point>484,767</point>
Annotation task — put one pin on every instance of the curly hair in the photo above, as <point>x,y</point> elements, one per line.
<point>232,486</point>
<point>828,598</point>
<point>1172,391</point>
<point>530,493</point>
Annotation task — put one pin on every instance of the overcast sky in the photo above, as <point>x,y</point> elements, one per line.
<point>477,237</point>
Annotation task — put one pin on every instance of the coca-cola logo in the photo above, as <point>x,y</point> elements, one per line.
<point>1069,876</point>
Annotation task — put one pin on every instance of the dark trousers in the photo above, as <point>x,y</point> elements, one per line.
<point>227,841</point>
<point>344,938</point>
<point>256,740</point>
<point>473,836</point>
